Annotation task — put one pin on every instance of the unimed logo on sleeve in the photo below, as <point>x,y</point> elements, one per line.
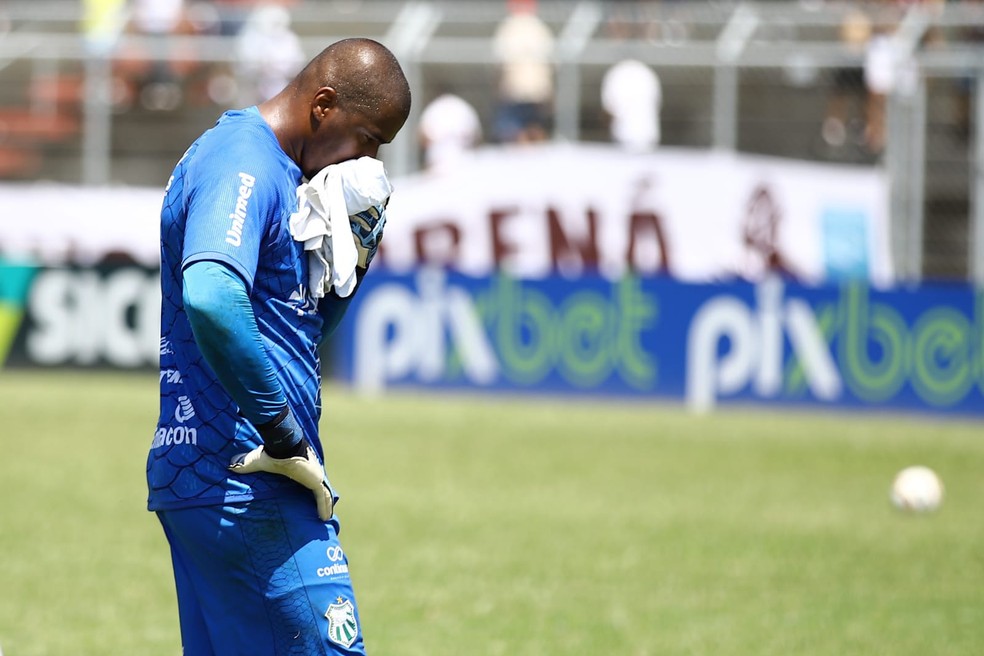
<point>234,235</point>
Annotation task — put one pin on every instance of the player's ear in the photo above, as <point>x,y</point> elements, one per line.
<point>325,100</point>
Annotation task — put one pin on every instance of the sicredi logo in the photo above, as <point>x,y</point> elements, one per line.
<point>234,235</point>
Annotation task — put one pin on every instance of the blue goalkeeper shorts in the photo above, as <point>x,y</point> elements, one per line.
<point>266,577</point>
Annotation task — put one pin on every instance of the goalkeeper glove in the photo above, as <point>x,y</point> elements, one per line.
<point>282,453</point>
<point>367,226</point>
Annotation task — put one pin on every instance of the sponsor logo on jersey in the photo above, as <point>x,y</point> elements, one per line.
<point>338,565</point>
<point>184,411</point>
<point>174,436</point>
<point>338,569</point>
<point>171,376</point>
<point>234,235</point>
<point>343,628</point>
<point>181,434</point>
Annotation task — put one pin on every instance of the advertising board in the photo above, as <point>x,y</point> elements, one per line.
<point>774,342</point>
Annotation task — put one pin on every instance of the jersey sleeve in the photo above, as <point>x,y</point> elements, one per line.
<point>225,329</point>
<point>232,200</point>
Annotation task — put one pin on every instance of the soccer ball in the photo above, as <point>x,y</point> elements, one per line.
<point>917,489</point>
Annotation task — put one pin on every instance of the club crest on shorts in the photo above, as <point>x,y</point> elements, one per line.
<point>342,625</point>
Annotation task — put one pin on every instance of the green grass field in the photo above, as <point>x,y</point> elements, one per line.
<point>486,526</point>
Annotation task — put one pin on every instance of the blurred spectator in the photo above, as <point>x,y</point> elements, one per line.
<point>856,109</point>
<point>844,115</point>
<point>624,20</point>
<point>102,21</point>
<point>154,67</point>
<point>233,15</point>
<point>880,78</point>
<point>887,70</point>
<point>523,45</point>
<point>631,96</point>
<point>268,54</point>
<point>213,82</point>
<point>449,128</point>
<point>660,21</point>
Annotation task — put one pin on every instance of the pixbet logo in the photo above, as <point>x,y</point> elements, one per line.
<point>505,332</point>
<point>401,333</point>
<point>874,348</point>
<point>755,355</point>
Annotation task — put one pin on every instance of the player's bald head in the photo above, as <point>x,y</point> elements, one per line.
<point>365,75</point>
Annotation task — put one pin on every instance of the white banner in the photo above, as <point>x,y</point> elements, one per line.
<point>533,210</point>
<point>61,224</point>
<point>696,215</point>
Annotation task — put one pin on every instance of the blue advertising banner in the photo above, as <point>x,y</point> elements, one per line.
<point>775,342</point>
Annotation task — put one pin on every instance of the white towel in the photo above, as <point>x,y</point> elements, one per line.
<point>321,222</point>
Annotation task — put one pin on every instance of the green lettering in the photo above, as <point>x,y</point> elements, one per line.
<point>524,331</point>
<point>637,312</point>
<point>584,351</point>
<point>941,356</point>
<point>872,374</point>
<point>794,375</point>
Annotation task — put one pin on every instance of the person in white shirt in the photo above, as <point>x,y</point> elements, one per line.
<point>523,46</point>
<point>449,127</point>
<point>268,54</point>
<point>631,95</point>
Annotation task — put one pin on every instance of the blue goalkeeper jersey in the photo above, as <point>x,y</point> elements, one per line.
<point>229,200</point>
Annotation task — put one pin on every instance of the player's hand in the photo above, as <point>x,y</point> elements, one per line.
<point>367,226</point>
<point>305,469</point>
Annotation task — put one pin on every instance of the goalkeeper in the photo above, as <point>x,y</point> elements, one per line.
<point>236,468</point>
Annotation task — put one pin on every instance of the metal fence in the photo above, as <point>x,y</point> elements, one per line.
<point>775,78</point>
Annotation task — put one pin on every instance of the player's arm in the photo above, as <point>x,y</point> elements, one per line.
<point>221,317</point>
<point>218,308</point>
<point>333,307</point>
